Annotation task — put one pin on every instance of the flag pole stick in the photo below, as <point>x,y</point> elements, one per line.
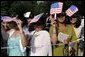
<point>55,16</point>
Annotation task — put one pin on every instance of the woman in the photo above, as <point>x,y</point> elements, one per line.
<point>17,42</point>
<point>76,22</point>
<point>40,41</point>
<point>61,50</point>
<point>77,26</point>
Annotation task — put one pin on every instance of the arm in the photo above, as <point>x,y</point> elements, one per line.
<point>49,43</point>
<point>47,19</point>
<point>24,40</point>
<point>73,38</point>
<point>53,35</point>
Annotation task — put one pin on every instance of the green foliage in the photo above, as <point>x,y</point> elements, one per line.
<point>20,7</point>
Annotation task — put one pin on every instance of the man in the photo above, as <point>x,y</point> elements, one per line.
<point>40,41</point>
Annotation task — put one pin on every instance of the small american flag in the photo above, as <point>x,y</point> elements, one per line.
<point>70,11</point>
<point>36,18</point>
<point>56,8</point>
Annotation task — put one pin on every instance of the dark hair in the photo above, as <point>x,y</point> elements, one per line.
<point>78,22</point>
<point>61,14</point>
<point>38,24</point>
<point>13,25</point>
<point>67,20</point>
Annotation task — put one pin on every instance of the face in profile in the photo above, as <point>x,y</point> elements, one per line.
<point>61,19</point>
<point>28,21</point>
<point>5,25</point>
<point>51,17</point>
<point>73,20</point>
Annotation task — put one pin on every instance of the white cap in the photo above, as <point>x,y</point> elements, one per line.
<point>27,14</point>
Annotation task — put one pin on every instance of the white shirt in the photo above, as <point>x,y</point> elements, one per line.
<point>41,44</point>
<point>82,22</point>
<point>26,30</point>
<point>78,30</point>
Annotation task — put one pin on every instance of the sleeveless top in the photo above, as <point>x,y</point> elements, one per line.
<point>14,46</point>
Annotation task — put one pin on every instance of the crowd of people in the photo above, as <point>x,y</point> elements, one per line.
<point>42,38</point>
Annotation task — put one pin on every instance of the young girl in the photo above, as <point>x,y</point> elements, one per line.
<point>17,42</point>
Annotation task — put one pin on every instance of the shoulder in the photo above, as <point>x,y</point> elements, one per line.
<point>17,32</point>
<point>44,32</point>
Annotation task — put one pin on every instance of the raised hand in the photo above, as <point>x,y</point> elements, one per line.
<point>19,23</point>
<point>54,23</point>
